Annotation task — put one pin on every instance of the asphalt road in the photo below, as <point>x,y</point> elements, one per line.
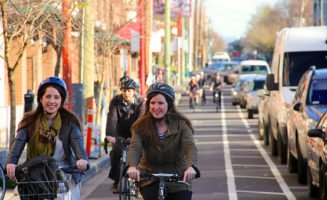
<point>234,164</point>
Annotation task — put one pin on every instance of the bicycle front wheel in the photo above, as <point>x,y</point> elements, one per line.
<point>2,183</point>
<point>123,185</point>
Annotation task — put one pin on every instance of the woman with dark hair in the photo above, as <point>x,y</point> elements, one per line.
<point>51,130</point>
<point>162,142</point>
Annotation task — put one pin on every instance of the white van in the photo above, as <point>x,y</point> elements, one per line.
<point>220,56</point>
<point>296,49</point>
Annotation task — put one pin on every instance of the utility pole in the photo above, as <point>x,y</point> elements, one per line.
<point>167,41</point>
<point>148,15</point>
<point>88,74</point>
<point>195,35</point>
<point>67,64</point>
<point>142,50</point>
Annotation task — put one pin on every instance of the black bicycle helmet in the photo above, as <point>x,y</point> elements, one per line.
<point>127,83</point>
<point>162,88</point>
<point>53,80</point>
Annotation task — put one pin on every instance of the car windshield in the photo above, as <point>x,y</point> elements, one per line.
<point>254,69</point>
<point>258,84</point>
<point>318,92</point>
<point>217,66</point>
<point>296,63</point>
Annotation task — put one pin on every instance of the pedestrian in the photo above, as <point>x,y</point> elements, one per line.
<point>51,130</point>
<point>162,142</point>
<point>201,83</point>
<point>124,110</point>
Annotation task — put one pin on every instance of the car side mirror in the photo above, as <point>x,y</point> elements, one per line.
<point>316,132</point>
<point>270,82</point>
<point>297,106</point>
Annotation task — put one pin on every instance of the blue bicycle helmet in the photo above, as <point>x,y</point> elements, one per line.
<point>53,80</point>
<point>162,88</point>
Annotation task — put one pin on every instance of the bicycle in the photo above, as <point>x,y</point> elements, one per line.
<point>192,101</point>
<point>218,99</point>
<point>127,186</point>
<point>164,177</point>
<point>49,189</point>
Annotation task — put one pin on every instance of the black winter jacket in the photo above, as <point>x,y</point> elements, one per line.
<point>119,121</point>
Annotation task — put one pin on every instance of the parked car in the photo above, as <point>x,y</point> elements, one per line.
<point>220,56</point>
<point>254,67</point>
<point>317,159</point>
<point>308,105</point>
<point>237,88</point>
<point>263,95</point>
<point>296,49</point>
<point>227,71</point>
<point>252,98</point>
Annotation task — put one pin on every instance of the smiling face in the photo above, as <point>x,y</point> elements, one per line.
<point>158,106</point>
<point>51,101</point>
<point>128,94</point>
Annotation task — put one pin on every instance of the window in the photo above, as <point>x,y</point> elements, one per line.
<point>296,63</point>
<point>318,92</point>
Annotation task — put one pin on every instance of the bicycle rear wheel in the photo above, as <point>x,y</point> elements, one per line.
<point>2,183</point>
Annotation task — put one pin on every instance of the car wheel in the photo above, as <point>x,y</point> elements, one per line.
<point>265,134</point>
<point>250,114</point>
<point>282,149</point>
<point>313,190</point>
<point>272,143</point>
<point>260,130</point>
<point>291,162</point>
<point>322,183</point>
<point>301,166</point>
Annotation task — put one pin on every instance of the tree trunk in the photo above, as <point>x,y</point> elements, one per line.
<point>58,64</point>
<point>12,131</point>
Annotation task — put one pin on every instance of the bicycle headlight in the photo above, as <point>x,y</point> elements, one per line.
<point>234,93</point>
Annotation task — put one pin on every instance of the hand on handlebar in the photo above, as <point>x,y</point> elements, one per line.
<point>82,165</point>
<point>189,174</point>
<point>112,140</point>
<point>134,173</point>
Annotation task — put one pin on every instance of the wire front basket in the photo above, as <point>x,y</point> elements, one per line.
<point>38,190</point>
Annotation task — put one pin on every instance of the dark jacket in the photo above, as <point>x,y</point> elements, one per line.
<point>176,153</point>
<point>72,142</point>
<point>119,120</point>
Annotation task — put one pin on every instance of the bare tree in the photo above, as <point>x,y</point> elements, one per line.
<point>22,22</point>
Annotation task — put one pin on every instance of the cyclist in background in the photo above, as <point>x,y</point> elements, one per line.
<point>216,86</point>
<point>193,89</point>
<point>124,110</point>
<point>201,83</point>
<point>162,142</point>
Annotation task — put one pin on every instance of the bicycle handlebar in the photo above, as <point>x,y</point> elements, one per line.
<point>74,170</point>
<point>119,140</point>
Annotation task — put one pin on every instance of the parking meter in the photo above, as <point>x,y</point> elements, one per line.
<point>28,101</point>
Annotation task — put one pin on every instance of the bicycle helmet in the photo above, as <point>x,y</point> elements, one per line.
<point>127,83</point>
<point>162,88</point>
<point>53,80</point>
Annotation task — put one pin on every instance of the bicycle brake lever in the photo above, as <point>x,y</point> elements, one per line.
<point>105,147</point>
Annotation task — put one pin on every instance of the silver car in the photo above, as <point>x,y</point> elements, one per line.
<point>237,88</point>
<point>263,95</point>
<point>252,98</point>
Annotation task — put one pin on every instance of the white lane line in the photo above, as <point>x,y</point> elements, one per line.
<point>243,165</point>
<point>289,195</point>
<point>228,162</point>
<point>258,192</point>
<point>255,177</point>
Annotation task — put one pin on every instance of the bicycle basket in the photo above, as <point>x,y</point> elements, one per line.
<point>38,178</point>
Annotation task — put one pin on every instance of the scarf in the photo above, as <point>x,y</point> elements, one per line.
<point>43,140</point>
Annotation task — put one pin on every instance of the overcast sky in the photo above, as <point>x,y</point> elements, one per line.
<point>230,17</point>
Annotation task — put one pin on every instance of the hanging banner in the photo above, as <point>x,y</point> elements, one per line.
<point>176,6</point>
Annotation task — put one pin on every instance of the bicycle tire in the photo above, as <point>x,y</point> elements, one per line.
<point>123,187</point>
<point>2,182</point>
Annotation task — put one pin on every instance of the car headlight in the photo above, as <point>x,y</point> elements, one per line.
<point>234,93</point>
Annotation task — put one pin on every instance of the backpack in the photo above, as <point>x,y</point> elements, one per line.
<point>38,178</point>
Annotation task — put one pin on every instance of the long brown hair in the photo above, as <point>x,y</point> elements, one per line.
<point>146,125</point>
<point>30,118</point>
